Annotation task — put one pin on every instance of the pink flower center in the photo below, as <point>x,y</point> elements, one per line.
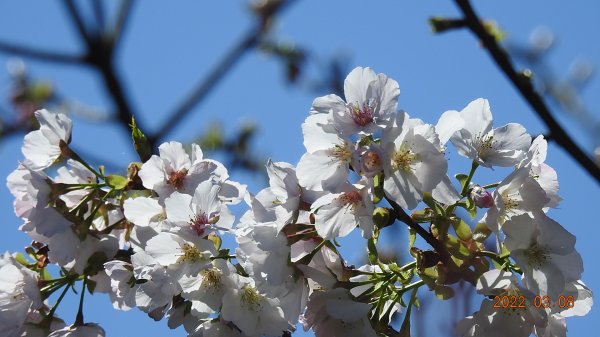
<point>362,116</point>
<point>350,198</point>
<point>371,161</point>
<point>198,224</point>
<point>176,179</point>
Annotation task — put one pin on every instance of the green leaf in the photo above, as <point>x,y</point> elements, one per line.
<point>116,181</point>
<point>91,286</point>
<point>381,217</point>
<point>140,142</point>
<point>21,259</point>
<point>45,274</point>
<point>216,240</point>
<point>372,251</point>
<point>429,201</point>
<point>378,193</point>
<point>462,178</point>
<point>412,237</point>
<point>462,229</point>
<point>457,248</point>
<point>405,328</point>
<point>444,292</point>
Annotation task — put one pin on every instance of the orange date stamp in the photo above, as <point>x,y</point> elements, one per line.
<point>521,302</point>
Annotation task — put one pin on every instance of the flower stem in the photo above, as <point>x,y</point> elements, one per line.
<point>465,188</point>
<point>79,317</point>
<point>48,318</point>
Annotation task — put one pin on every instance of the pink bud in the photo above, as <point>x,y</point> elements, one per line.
<point>481,197</point>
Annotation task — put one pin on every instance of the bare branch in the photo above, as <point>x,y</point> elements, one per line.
<point>122,20</point>
<point>33,53</point>
<point>524,86</point>
<point>249,41</point>
<point>77,20</point>
<point>99,14</point>
<point>431,240</point>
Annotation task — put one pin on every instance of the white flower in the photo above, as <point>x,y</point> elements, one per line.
<point>545,251</point>
<point>370,99</point>
<point>182,255</point>
<point>216,328</point>
<point>30,189</point>
<point>144,212</point>
<point>206,289</point>
<point>67,250</point>
<point>201,214</point>
<point>325,268</point>
<point>504,146</point>
<point>325,165</point>
<point>338,214</point>
<point>541,172</point>
<point>19,293</point>
<point>490,321</point>
<point>286,189</point>
<point>517,194</point>
<point>41,148</point>
<point>263,252</point>
<point>413,162</point>
<point>122,291</point>
<point>335,313</point>
<point>173,170</point>
<point>253,312</point>
<point>157,285</point>
<point>86,330</point>
<point>76,173</point>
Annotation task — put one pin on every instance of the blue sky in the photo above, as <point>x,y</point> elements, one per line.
<point>170,47</point>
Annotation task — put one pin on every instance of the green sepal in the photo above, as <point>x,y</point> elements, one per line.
<point>378,192</point>
<point>462,229</point>
<point>462,179</point>
<point>372,251</point>
<point>443,292</point>
<point>412,237</point>
<point>140,142</point>
<point>116,181</point>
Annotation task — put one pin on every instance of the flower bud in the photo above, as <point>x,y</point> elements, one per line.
<point>481,197</point>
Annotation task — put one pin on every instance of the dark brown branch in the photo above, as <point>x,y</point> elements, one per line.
<point>249,41</point>
<point>525,87</point>
<point>428,237</point>
<point>100,55</point>
<point>77,20</point>
<point>99,14</point>
<point>210,82</point>
<point>40,54</point>
<point>122,20</point>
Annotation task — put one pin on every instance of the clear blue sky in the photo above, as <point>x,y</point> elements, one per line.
<point>169,47</point>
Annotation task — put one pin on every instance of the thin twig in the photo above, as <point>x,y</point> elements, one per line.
<point>100,54</point>
<point>122,20</point>
<point>249,41</point>
<point>431,240</point>
<point>35,53</point>
<point>524,86</point>
<point>99,14</point>
<point>77,20</point>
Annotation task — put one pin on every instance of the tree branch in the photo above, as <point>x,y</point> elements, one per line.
<point>431,240</point>
<point>77,20</point>
<point>525,88</point>
<point>122,19</point>
<point>249,41</point>
<point>99,14</point>
<point>40,54</point>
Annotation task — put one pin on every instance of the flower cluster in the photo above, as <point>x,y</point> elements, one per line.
<point>153,238</point>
